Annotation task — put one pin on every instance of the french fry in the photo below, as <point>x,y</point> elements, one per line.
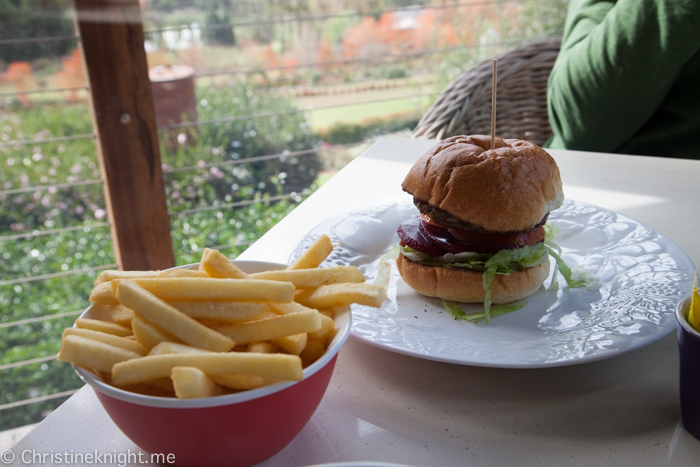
<point>273,367</point>
<point>191,383</point>
<point>110,274</point>
<point>327,328</point>
<point>313,351</point>
<point>266,314</point>
<point>121,315</point>
<point>225,312</point>
<point>103,326</point>
<point>111,339</point>
<point>272,328</point>
<point>328,296</point>
<point>182,272</point>
<point>150,335</point>
<point>192,288</point>
<point>102,294</point>
<point>239,382</point>
<point>307,278</point>
<point>203,332</point>
<point>314,255</point>
<point>263,347</point>
<point>169,319</point>
<point>293,344</point>
<point>164,348</point>
<point>286,308</point>
<point>93,354</point>
<point>217,265</point>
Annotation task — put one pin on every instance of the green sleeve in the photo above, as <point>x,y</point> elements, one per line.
<point>618,60</point>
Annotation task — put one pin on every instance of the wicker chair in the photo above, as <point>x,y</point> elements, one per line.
<point>521,98</point>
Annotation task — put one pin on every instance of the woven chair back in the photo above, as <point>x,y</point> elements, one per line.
<point>464,107</point>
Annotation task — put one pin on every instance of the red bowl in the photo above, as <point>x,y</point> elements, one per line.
<point>239,429</point>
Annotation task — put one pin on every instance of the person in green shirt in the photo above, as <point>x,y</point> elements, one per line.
<point>627,79</point>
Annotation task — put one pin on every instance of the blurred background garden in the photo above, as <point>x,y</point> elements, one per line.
<point>282,94</point>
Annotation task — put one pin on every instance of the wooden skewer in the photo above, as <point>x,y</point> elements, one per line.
<point>493,105</point>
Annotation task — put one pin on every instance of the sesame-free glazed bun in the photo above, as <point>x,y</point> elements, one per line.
<point>465,286</point>
<point>508,189</point>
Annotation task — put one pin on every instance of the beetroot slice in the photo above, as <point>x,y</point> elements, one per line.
<point>410,234</point>
<point>442,238</point>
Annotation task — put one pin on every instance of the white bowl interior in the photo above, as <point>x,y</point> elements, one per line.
<point>343,319</point>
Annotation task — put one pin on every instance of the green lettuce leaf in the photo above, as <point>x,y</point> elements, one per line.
<point>489,275</point>
<point>384,266</point>
<point>496,310</point>
<point>504,262</point>
<point>565,270</point>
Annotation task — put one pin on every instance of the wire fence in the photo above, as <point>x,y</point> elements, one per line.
<point>260,22</point>
<point>39,233</point>
<point>16,143</point>
<point>247,160</point>
<point>290,112</point>
<point>39,319</point>
<point>219,206</point>
<point>53,275</point>
<point>43,90</point>
<point>55,186</point>
<point>355,61</point>
<point>330,16</point>
<point>232,205</point>
<point>35,400</point>
<point>166,170</point>
<point>57,139</point>
<point>28,40</point>
<point>296,66</point>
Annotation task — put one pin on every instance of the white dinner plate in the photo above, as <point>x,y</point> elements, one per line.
<point>643,275</point>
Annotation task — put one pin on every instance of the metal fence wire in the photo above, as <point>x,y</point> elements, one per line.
<point>33,233</point>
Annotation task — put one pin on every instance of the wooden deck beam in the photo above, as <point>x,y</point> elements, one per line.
<point>123,117</point>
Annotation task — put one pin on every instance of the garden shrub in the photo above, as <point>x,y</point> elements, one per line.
<point>348,133</point>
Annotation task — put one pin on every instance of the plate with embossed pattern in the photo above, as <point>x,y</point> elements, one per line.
<point>642,276</point>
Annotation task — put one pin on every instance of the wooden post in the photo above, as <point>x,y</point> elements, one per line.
<point>121,105</point>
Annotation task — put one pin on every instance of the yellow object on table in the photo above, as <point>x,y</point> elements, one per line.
<point>694,313</point>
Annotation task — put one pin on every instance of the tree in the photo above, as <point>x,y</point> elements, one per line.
<point>26,19</point>
<point>217,26</point>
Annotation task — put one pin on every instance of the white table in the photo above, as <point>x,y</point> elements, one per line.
<point>382,406</point>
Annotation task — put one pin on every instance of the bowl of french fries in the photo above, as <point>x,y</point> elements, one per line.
<point>220,362</point>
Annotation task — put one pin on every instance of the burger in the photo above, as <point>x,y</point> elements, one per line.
<point>481,229</point>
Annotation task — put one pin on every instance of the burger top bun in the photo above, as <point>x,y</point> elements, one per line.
<point>509,189</point>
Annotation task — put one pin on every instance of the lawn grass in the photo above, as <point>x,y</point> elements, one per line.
<point>322,119</point>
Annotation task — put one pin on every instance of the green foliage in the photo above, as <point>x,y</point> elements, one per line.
<point>224,227</point>
<point>39,379</point>
<point>395,73</point>
<point>280,129</point>
<point>538,19</point>
<point>345,133</point>
<point>45,164</point>
<point>22,19</point>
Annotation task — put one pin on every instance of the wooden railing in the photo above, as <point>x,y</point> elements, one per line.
<point>127,141</point>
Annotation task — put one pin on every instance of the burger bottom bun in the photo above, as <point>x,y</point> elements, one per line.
<point>466,286</point>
